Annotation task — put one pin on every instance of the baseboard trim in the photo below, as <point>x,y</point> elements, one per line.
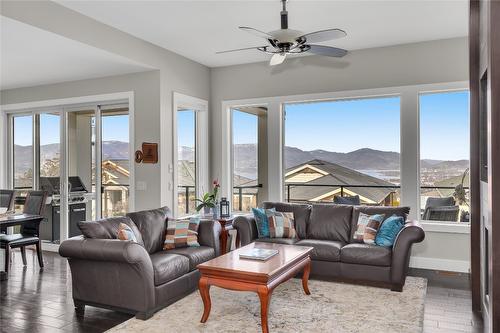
<point>462,266</point>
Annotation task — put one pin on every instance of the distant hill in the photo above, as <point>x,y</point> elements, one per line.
<point>245,157</point>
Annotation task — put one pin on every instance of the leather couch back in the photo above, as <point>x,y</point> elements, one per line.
<point>330,222</point>
<point>301,214</point>
<point>152,225</point>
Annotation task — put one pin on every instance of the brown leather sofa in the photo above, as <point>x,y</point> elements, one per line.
<point>329,229</point>
<point>138,278</point>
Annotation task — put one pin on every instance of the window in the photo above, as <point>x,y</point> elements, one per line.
<point>49,145</point>
<point>23,152</point>
<point>444,156</point>
<point>343,148</point>
<point>247,140</point>
<point>186,161</point>
<point>115,162</point>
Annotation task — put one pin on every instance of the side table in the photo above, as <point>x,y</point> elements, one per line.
<point>227,225</point>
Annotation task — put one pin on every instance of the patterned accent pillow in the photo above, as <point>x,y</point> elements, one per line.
<point>282,225</point>
<point>182,233</point>
<point>372,227</point>
<point>262,220</point>
<point>126,233</point>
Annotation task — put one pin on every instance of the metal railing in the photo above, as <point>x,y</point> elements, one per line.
<point>239,192</point>
<point>344,186</point>
<point>187,189</point>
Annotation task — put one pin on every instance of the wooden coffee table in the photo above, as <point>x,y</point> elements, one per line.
<point>230,272</point>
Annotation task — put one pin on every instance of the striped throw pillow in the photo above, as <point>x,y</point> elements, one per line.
<point>182,233</point>
<point>126,233</point>
<point>282,225</point>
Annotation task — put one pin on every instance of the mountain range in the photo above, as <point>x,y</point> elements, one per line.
<point>245,157</point>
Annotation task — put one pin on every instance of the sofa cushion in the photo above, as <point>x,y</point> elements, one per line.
<point>196,255</point>
<point>287,241</point>
<point>108,228</point>
<point>323,249</point>
<point>366,254</point>
<point>301,213</point>
<point>372,210</point>
<point>168,266</point>
<point>330,222</point>
<point>152,225</point>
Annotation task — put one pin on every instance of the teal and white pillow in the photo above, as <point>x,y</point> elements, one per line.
<point>389,230</point>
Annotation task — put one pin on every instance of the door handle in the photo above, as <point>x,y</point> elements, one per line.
<point>79,209</point>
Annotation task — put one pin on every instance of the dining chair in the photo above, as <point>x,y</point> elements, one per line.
<point>6,201</point>
<point>29,233</point>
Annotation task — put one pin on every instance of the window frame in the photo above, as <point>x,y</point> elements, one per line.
<point>445,224</point>
<point>409,139</point>
<point>200,107</point>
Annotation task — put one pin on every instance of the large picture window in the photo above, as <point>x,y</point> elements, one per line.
<point>444,156</point>
<point>344,151</point>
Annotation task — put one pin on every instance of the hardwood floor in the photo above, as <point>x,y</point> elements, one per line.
<point>34,301</point>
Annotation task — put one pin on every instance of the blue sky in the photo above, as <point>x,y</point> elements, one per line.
<point>244,127</point>
<point>113,128</point>
<point>186,123</point>
<point>344,126</point>
<point>444,126</point>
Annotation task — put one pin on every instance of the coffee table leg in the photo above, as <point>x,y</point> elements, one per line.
<point>305,277</point>
<point>205,296</point>
<point>265,300</point>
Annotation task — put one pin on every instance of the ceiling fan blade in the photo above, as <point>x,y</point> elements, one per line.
<point>328,51</point>
<point>257,33</point>
<point>323,35</point>
<point>277,59</point>
<point>242,49</point>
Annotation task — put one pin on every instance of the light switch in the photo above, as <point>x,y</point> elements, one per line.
<point>141,186</point>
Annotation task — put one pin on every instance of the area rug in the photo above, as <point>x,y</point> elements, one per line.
<point>331,307</point>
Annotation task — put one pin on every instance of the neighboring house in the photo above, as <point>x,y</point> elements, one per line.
<point>313,180</point>
<point>115,180</point>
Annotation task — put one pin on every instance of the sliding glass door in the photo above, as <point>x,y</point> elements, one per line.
<point>80,156</point>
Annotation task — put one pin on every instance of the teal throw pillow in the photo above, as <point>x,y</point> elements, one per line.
<point>389,231</point>
<point>262,220</point>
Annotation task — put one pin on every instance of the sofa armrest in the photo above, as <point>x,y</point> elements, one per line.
<point>412,232</point>
<point>114,250</point>
<point>209,234</point>
<point>110,272</point>
<point>246,228</point>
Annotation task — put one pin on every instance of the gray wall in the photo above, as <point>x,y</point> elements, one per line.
<point>176,73</point>
<point>411,64</point>
<point>146,88</point>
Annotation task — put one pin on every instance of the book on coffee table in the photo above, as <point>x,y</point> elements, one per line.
<point>258,254</point>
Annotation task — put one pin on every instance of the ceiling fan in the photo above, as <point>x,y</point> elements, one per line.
<point>288,41</point>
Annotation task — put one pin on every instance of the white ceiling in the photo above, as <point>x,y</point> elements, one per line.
<point>30,56</point>
<point>197,29</point>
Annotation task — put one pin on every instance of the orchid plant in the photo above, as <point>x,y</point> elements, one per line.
<point>209,199</point>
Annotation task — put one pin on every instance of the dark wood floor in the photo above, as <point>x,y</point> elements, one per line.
<point>35,301</point>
